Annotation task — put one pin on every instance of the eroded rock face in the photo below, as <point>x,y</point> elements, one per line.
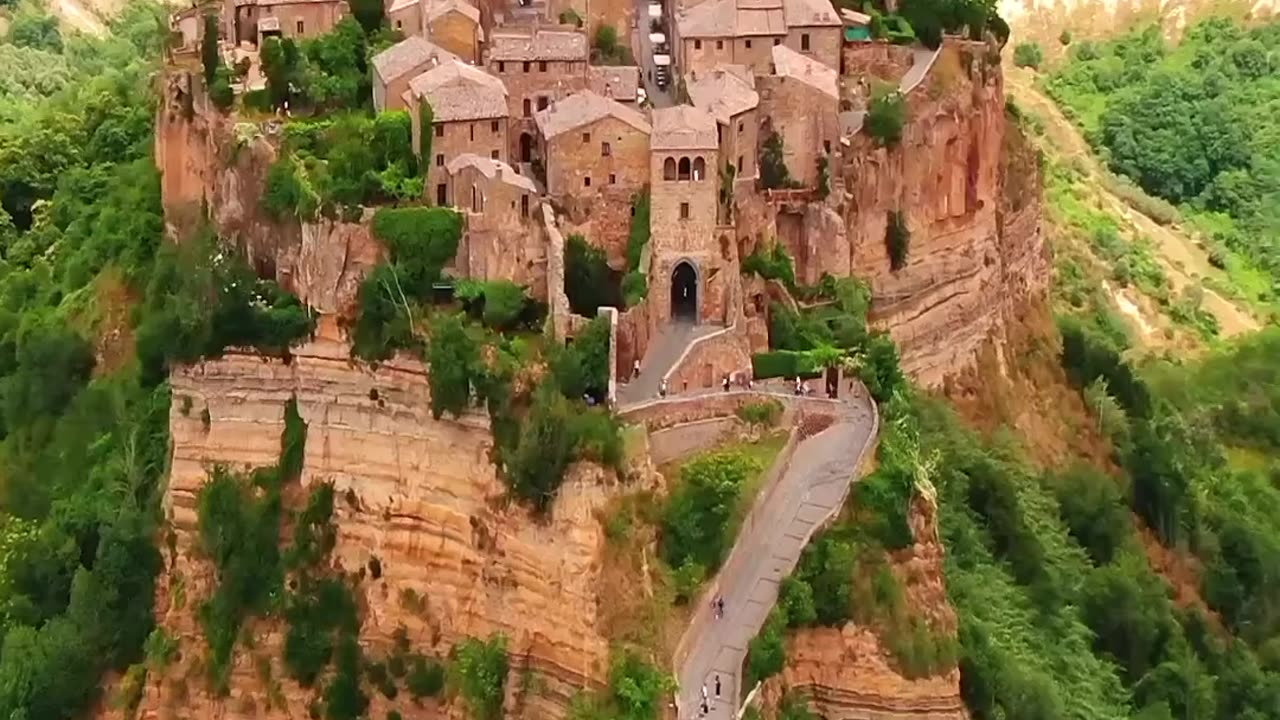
<point>212,166</point>
<point>970,198</point>
<point>419,495</point>
<point>847,672</point>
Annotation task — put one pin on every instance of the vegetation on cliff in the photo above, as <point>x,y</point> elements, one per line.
<point>84,438</point>
<point>1194,124</point>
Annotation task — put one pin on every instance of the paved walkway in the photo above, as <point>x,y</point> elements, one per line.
<point>788,512</point>
<point>664,352</point>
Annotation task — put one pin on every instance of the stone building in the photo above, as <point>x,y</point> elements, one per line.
<point>538,68</point>
<point>405,16</point>
<point>589,143</point>
<point>616,82</point>
<point>728,94</point>
<point>253,21</point>
<point>455,26</point>
<point>743,32</point>
<point>501,239</point>
<point>800,102</point>
<point>469,108</point>
<point>688,270</point>
<point>394,67</point>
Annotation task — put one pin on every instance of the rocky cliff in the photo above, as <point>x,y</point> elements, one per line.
<point>419,495</point>
<point>848,674</point>
<point>968,190</point>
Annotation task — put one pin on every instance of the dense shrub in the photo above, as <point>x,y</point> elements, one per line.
<point>765,413</point>
<point>696,518</point>
<point>784,364</point>
<point>1028,55</point>
<point>481,671</point>
<point>886,116</point>
<point>451,360</point>
<point>897,240</point>
<point>638,236</point>
<point>319,614</point>
<point>425,678</point>
<point>772,263</point>
<point>582,368</point>
<point>767,651</point>
<point>421,242</point>
<point>773,165</point>
<point>384,323</point>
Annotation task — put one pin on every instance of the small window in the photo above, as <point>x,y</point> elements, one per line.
<point>440,160</point>
<point>740,164</point>
<point>777,42</point>
<point>697,44</point>
<point>524,206</point>
<point>605,149</point>
<point>442,194</point>
<point>493,126</point>
<point>399,25</point>
<point>502,67</point>
<point>542,66</point>
<point>804,42</point>
<point>542,103</point>
<point>528,107</point>
<point>439,130</point>
<point>684,211</point>
<point>493,154</point>
<point>719,44</point>
<point>741,126</point>
<point>613,179</point>
<point>586,181</point>
<point>477,200</point>
<point>471,127</point>
<point>526,65</point>
<point>586,137</point>
<point>299,27</point>
<point>748,44</point>
<point>826,146</point>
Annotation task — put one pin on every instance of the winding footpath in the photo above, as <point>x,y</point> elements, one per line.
<point>805,489</point>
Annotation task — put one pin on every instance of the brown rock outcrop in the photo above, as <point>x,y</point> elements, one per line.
<point>970,199</point>
<point>847,672</point>
<point>420,495</point>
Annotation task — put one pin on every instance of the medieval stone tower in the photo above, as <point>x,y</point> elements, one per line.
<point>686,259</point>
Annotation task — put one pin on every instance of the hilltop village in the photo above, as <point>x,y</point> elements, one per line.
<point>727,125</point>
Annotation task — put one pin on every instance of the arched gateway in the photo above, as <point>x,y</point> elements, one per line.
<point>684,292</point>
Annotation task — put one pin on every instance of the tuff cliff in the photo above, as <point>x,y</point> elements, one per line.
<point>968,188</point>
<point>420,496</point>
<point>848,672</point>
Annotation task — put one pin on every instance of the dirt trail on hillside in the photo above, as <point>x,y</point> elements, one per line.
<point>1183,261</point>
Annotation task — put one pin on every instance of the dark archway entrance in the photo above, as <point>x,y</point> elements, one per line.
<point>684,292</point>
<point>526,147</point>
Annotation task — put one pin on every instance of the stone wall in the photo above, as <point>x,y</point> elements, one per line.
<point>456,33</point>
<point>633,336</point>
<point>451,139</point>
<point>526,83</point>
<point>708,359</point>
<point>804,117</point>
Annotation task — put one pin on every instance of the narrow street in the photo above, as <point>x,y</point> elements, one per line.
<point>642,49</point>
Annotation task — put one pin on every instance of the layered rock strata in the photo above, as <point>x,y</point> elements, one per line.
<point>420,496</point>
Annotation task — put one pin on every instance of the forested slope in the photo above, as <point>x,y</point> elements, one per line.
<point>83,417</point>
<point>1194,123</point>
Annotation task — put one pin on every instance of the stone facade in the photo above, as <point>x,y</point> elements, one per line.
<point>292,19</point>
<point>487,138</point>
<point>455,26</point>
<point>405,16</point>
<point>604,154</point>
<point>802,107</point>
<point>697,55</point>
<point>821,43</point>
<point>538,68</point>
<point>501,240</point>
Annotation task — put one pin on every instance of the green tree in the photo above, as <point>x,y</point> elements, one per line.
<point>280,61</point>
<point>589,282</point>
<point>34,29</point>
<point>897,240</point>
<point>451,358</point>
<point>369,13</point>
<point>773,165</point>
<point>886,115</point>
<point>210,55</point>
<point>1028,55</point>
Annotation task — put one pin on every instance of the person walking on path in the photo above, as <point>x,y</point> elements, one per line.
<point>717,686</point>
<point>635,369</point>
<point>720,605</point>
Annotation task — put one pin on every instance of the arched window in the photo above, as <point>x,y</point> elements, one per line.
<point>683,170</point>
<point>669,169</point>
<point>699,169</point>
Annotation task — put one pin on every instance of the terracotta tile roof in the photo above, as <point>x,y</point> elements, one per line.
<point>458,91</point>
<point>491,169</point>
<point>724,92</point>
<point>406,55</point>
<point>790,64</point>
<point>618,82</point>
<point>733,18</point>
<point>439,7</point>
<point>810,13</point>
<point>584,108</point>
<point>538,45</point>
<point>683,127</point>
